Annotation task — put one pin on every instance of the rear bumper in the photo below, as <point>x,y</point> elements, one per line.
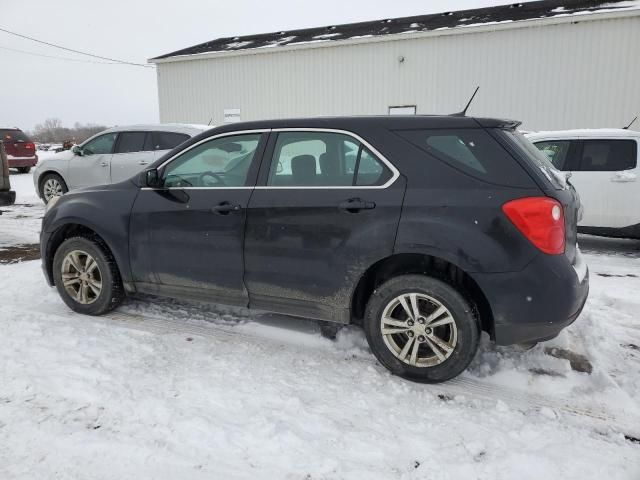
<point>15,162</point>
<point>7,197</point>
<point>537,303</point>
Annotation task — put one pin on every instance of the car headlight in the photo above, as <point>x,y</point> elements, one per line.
<point>51,204</point>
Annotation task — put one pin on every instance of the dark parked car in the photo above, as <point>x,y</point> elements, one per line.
<point>424,230</point>
<point>7,196</point>
<point>20,149</point>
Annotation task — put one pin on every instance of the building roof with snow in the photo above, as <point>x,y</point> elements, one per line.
<point>515,12</point>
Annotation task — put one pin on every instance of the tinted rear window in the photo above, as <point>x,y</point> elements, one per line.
<point>472,151</point>
<point>608,155</point>
<point>129,142</point>
<point>165,140</point>
<point>13,136</point>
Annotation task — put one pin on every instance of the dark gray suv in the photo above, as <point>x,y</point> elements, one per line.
<point>424,230</point>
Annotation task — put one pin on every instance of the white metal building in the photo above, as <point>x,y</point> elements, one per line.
<point>554,64</point>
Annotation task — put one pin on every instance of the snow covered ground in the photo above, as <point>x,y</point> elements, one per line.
<point>164,389</point>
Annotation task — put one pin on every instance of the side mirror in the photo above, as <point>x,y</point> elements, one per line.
<point>152,178</point>
<point>77,151</point>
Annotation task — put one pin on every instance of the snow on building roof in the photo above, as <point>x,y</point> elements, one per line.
<point>583,133</point>
<point>422,23</point>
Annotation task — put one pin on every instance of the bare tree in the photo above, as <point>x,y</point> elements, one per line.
<point>52,131</point>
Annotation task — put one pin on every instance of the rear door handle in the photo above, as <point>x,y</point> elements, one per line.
<point>624,177</point>
<point>143,162</point>
<point>104,164</point>
<point>354,205</point>
<point>225,208</point>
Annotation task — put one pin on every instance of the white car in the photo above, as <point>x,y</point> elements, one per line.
<point>603,164</point>
<point>110,156</point>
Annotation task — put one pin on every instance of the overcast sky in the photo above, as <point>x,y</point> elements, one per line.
<point>34,88</point>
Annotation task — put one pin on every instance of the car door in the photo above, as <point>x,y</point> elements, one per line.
<point>326,208</point>
<point>606,177</point>
<point>130,155</point>
<point>186,238</point>
<point>92,162</point>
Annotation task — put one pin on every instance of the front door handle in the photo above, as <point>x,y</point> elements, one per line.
<point>225,208</point>
<point>104,164</point>
<point>354,205</point>
<point>143,162</point>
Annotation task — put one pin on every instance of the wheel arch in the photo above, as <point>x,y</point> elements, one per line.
<point>69,230</point>
<point>42,175</point>
<point>422,264</point>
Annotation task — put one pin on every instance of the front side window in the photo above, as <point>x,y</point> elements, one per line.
<point>305,159</point>
<point>130,142</point>
<point>100,145</point>
<point>608,155</point>
<point>221,162</point>
<point>557,151</point>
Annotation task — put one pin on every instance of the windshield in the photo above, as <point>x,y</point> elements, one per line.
<point>555,176</point>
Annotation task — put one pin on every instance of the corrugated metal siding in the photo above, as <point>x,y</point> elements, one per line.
<point>571,75</point>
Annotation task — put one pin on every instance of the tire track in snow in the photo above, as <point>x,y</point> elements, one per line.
<point>595,417</point>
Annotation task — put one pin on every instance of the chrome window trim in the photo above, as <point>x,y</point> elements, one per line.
<point>395,173</point>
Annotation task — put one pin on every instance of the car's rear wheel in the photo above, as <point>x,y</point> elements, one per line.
<point>421,328</point>
<point>86,276</point>
<point>52,185</point>
<point>24,169</point>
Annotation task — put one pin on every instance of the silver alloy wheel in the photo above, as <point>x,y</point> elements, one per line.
<point>52,188</point>
<point>419,330</point>
<point>82,277</point>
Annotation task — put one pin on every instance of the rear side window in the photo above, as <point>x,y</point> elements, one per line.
<point>165,140</point>
<point>13,136</point>
<point>129,142</point>
<point>557,151</point>
<point>472,151</point>
<point>305,159</point>
<point>608,155</point>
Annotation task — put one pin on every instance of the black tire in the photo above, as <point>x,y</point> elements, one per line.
<point>468,331</point>
<point>112,291</point>
<point>24,169</point>
<point>43,181</point>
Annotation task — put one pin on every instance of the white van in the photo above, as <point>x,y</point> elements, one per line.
<point>604,170</point>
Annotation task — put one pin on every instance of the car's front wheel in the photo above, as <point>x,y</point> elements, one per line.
<point>421,328</point>
<point>86,276</point>
<point>52,185</point>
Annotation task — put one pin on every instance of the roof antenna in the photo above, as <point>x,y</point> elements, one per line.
<point>211,120</point>
<point>632,122</point>
<point>464,112</point>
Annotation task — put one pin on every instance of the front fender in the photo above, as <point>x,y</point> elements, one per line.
<point>105,212</point>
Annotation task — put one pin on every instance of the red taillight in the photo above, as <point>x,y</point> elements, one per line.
<point>30,146</point>
<point>540,220</point>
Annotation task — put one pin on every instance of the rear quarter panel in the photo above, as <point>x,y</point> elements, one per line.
<point>464,226</point>
<point>451,215</point>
